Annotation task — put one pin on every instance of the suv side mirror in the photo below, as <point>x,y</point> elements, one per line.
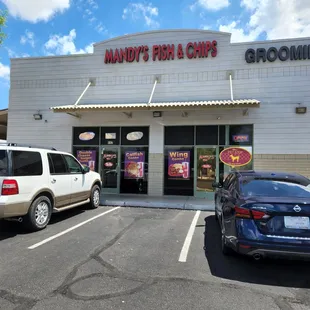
<point>85,169</point>
<point>216,185</point>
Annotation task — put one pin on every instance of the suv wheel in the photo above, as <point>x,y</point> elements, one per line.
<point>95,197</point>
<point>39,214</point>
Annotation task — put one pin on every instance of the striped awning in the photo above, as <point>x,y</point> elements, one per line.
<point>158,105</point>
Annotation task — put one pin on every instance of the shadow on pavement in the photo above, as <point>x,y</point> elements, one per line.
<point>286,273</point>
<point>62,216</point>
<point>10,229</point>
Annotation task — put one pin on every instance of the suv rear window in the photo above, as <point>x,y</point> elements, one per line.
<point>25,163</point>
<point>3,163</point>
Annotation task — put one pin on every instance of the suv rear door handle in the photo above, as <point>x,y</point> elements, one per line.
<point>75,179</point>
<point>53,181</point>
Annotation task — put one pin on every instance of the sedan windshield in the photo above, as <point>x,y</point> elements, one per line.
<point>274,188</point>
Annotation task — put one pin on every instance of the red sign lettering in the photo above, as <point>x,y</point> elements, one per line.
<point>161,52</point>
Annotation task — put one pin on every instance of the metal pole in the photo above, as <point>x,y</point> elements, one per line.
<point>152,93</point>
<point>231,88</point>
<point>76,103</point>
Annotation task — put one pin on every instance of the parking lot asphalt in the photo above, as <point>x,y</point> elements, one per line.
<point>138,258</point>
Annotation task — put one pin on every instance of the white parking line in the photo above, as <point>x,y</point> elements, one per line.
<point>70,229</point>
<point>188,239</point>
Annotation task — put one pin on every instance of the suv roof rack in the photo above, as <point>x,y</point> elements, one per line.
<point>28,145</point>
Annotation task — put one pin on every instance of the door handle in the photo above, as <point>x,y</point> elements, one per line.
<point>53,181</point>
<point>75,179</point>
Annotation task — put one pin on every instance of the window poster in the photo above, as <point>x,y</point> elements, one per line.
<point>110,160</point>
<point>87,158</point>
<point>179,164</point>
<point>134,164</point>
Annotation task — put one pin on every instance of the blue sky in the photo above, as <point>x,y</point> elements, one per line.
<point>55,27</point>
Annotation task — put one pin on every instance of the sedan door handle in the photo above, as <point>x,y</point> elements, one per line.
<point>75,179</point>
<point>53,181</point>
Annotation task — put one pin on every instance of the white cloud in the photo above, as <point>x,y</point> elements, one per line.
<point>93,4</point>
<point>206,27</point>
<point>249,4</point>
<point>13,54</point>
<point>89,49</point>
<point>4,72</point>
<point>239,34</point>
<point>36,10</point>
<point>28,37</point>
<point>88,7</point>
<point>64,45</point>
<point>147,12</point>
<point>278,19</point>
<point>211,5</point>
<point>100,28</point>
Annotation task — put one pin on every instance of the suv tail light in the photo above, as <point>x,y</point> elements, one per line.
<point>9,187</point>
<point>247,213</point>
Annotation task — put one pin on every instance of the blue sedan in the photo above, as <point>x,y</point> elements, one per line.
<point>264,214</point>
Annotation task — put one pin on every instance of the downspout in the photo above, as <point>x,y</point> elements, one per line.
<point>153,90</point>
<point>231,88</point>
<point>85,90</point>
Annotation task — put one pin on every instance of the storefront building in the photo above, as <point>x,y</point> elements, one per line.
<point>169,112</point>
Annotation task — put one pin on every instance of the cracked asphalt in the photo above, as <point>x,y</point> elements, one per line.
<point>128,259</point>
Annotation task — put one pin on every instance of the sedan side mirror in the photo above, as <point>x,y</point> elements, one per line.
<point>216,185</point>
<point>85,169</point>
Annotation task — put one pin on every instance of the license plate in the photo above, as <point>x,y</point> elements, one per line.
<point>297,222</point>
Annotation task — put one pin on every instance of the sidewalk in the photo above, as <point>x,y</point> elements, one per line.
<point>167,202</point>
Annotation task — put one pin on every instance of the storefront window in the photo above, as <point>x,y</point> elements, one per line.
<point>178,175</point>
<point>179,135</point>
<point>207,135</point>
<point>135,135</point>
<point>86,136</point>
<point>248,166</point>
<point>222,135</point>
<point>134,170</point>
<point>87,156</point>
<point>110,135</point>
<point>241,135</point>
<point>235,158</point>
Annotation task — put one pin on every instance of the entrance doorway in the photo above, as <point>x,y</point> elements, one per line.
<point>206,170</point>
<point>110,169</point>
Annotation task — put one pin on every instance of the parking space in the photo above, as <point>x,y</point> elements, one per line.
<point>138,258</point>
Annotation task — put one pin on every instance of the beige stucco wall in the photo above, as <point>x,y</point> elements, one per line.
<point>298,163</point>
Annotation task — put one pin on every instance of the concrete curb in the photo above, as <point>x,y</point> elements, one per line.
<point>158,203</point>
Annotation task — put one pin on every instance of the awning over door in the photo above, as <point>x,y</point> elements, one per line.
<point>242,103</point>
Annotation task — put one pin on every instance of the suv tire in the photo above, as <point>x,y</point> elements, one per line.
<point>39,214</point>
<point>95,197</point>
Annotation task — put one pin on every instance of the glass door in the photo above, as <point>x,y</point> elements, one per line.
<point>206,170</point>
<point>110,169</point>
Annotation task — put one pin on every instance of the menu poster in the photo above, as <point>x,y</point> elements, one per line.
<point>87,158</point>
<point>179,164</point>
<point>134,165</point>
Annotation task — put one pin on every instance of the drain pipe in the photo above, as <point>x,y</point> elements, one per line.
<point>84,91</point>
<point>152,93</point>
<point>231,88</point>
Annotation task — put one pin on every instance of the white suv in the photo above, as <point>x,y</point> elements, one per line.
<point>36,182</point>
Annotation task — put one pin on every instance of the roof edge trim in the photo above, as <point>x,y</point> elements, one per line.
<point>161,31</point>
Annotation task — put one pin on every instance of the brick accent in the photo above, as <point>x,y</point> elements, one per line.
<point>156,174</point>
<point>298,163</point>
